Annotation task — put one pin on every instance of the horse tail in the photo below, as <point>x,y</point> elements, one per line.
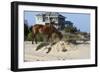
<point>34,33</point>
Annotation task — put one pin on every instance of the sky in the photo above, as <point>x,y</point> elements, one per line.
<point>80,20</point>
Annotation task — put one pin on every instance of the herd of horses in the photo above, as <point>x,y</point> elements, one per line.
<point>47,29</point>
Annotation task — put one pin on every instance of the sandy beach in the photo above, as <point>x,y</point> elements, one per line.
<point>60,51</point>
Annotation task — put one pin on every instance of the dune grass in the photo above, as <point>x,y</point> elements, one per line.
<point>41,45</point>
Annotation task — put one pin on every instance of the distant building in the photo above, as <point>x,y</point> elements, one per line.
<point>48,17</point>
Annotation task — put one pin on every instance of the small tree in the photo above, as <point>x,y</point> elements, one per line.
<point>26,30</point>
<point>70,28</point>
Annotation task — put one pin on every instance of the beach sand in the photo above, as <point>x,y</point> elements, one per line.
<point>59,51</point>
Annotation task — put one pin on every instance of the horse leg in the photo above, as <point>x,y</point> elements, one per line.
<point>33,37</point>
<point>48,37</point>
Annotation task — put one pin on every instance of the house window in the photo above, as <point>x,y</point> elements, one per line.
<point>38,18</point>
<point>43,17</point>
<point>46,19</point>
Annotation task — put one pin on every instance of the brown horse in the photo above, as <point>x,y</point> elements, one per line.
<point>46,30</point>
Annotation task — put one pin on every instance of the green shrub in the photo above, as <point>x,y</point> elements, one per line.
<point>29,37</point>
<point>40,37</point>
<point>41,45</point>
<point>71,37</point>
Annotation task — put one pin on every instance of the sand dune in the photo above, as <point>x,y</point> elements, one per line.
<point>59,51</point>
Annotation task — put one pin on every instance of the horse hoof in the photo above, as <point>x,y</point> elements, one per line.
<point>49,49</point>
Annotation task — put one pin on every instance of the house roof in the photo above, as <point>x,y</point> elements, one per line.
<point>50,14</point>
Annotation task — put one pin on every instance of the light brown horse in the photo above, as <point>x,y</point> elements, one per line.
<point>46,30</point>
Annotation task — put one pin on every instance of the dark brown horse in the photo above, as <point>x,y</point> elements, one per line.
<point>46,30</point>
